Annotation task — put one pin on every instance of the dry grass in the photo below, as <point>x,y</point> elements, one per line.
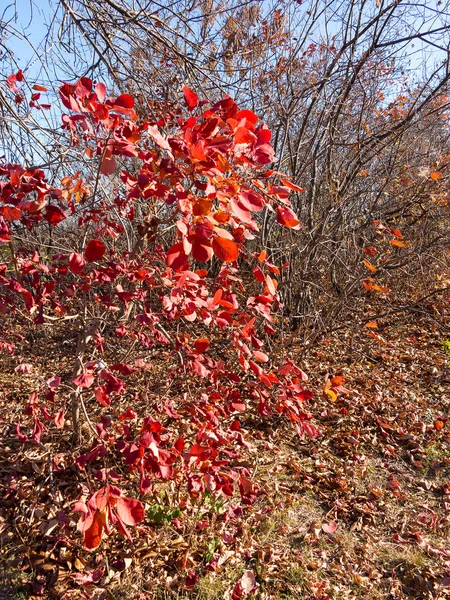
<point>380,471</point>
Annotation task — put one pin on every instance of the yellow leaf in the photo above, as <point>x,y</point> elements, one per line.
<point>331,395</point>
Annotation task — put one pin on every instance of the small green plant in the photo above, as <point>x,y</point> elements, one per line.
<point>161,514</point>
<point>212,547</point>
<point>213,504</point>
<point>446,349</point>
<point>437,454</point>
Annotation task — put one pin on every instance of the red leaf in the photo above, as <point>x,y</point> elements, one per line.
<point>190,98</point>
<point>255,368</point>
<point>94,250</point>
<point>11,213</point>
<point>310,430</point>
<point>59,419</point>
<point>108,165</point>
<point>201,345</point>
<point>131,511</point>
<point>200,368</point>
<point>258,274</point>
<point>156,135</point>
<point>54,382</point>
<point>251,200</point>
<point>225,250</point>
<point>85,380</point>
<point>124,101</point>
<point>54,215</point>
<point>286,217</point>
<point>128,414</point>
<point>37,205</point>
<point>240,212</point>
<point>244,136</point>
<point>176,257</point>
<point>101,396</point>
<point>12,79</point>
<point>100,90</point>
<point>76,263</point>
<point>201,249</point>
<point>248,115</point>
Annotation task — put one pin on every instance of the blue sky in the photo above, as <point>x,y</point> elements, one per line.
<point>28,23</point>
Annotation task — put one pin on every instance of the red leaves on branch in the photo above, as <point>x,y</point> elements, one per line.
<point>176,227</point>
<point>105,508</point>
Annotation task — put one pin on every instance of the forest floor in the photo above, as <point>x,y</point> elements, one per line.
<point>363,511</point>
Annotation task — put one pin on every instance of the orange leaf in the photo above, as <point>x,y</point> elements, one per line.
<point>397,243</point>
<point>370,251</point>
<point>371,268</point>
<point>382,290</point>
<point>372,325</point>
<point>221,217</point>
<point>376,336</point>
<point>292,186</point>
<point>202,206</point>
<point>435,175</point>
<point>438,424</point>
<point>92,536</point>
<point>225,250</point>
<point>263,255</point>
